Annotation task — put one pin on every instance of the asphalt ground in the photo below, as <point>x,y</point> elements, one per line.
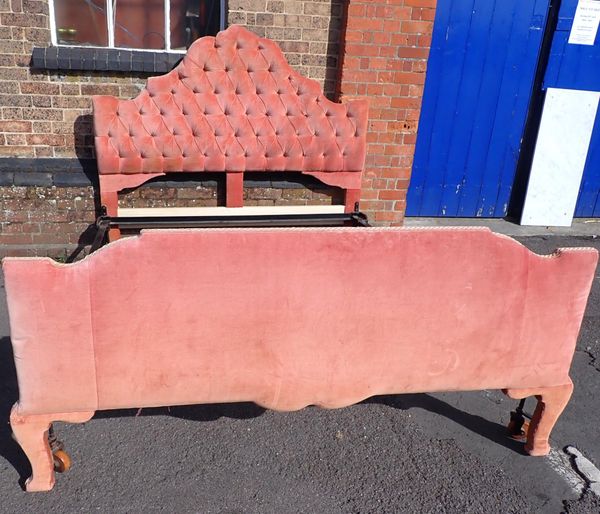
<point>422,453</point>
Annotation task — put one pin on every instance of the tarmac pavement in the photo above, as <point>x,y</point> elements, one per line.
<point>421,453</point>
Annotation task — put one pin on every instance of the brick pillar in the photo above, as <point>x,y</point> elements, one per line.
<point>385,57</point>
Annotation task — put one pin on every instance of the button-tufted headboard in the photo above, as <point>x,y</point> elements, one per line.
<point>232,105</point>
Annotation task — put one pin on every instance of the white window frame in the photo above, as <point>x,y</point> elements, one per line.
<point>111,29</point>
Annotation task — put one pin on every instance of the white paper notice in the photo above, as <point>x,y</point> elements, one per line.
<point>585,23</point>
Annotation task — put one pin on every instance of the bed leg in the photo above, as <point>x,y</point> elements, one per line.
<point>551,401</point>
<point>110,200</point>
<point>352,197</point>
<point>234,194</point>
<point>31,433</point>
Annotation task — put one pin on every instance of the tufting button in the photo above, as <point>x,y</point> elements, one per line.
<point>173,91</point>
<point>110,134</point>
<point>285,154</point>
<point>205,154</point>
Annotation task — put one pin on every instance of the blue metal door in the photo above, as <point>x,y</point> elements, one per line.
<point>480,75</point>
<point>572,66</point>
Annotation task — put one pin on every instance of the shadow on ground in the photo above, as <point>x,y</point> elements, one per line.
<point>493,431</point>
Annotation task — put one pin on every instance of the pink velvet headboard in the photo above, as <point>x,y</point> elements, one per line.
<point>232,105</point>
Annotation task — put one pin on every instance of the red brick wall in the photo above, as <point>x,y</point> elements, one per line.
<point>46,114</point>
<point>57,221</point>
<point>385,59</point>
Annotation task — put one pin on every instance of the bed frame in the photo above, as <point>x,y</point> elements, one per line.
<point>290,317</point>
<point>233,105</point>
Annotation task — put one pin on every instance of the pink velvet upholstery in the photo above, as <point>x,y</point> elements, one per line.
<point>292,317</point>
<point>232,105</point>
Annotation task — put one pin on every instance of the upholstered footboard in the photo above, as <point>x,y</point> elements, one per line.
<point>288,318</point>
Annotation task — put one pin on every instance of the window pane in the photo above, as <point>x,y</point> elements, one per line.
<point>81,22</point>
<point>139,24</point>
<point>191,19</point>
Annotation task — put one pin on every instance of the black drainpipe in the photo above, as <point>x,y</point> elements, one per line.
<point>534,117</point>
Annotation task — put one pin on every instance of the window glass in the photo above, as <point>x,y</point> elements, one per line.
<point>139,24</point>
<point>192,19</point>
<point>81,22</point>
<point>135,23</point>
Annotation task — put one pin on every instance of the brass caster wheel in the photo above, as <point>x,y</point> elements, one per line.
<point>62,461</point>
<point>517,429</point>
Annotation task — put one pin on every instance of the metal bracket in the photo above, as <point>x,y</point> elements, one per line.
<point>104,222</point>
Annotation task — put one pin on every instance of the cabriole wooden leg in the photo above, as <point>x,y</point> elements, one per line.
<point>551,401</point>
<point>32,436</point>
<point>31,432</point>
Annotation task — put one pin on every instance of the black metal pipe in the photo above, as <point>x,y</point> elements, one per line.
<point>534,117</point>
